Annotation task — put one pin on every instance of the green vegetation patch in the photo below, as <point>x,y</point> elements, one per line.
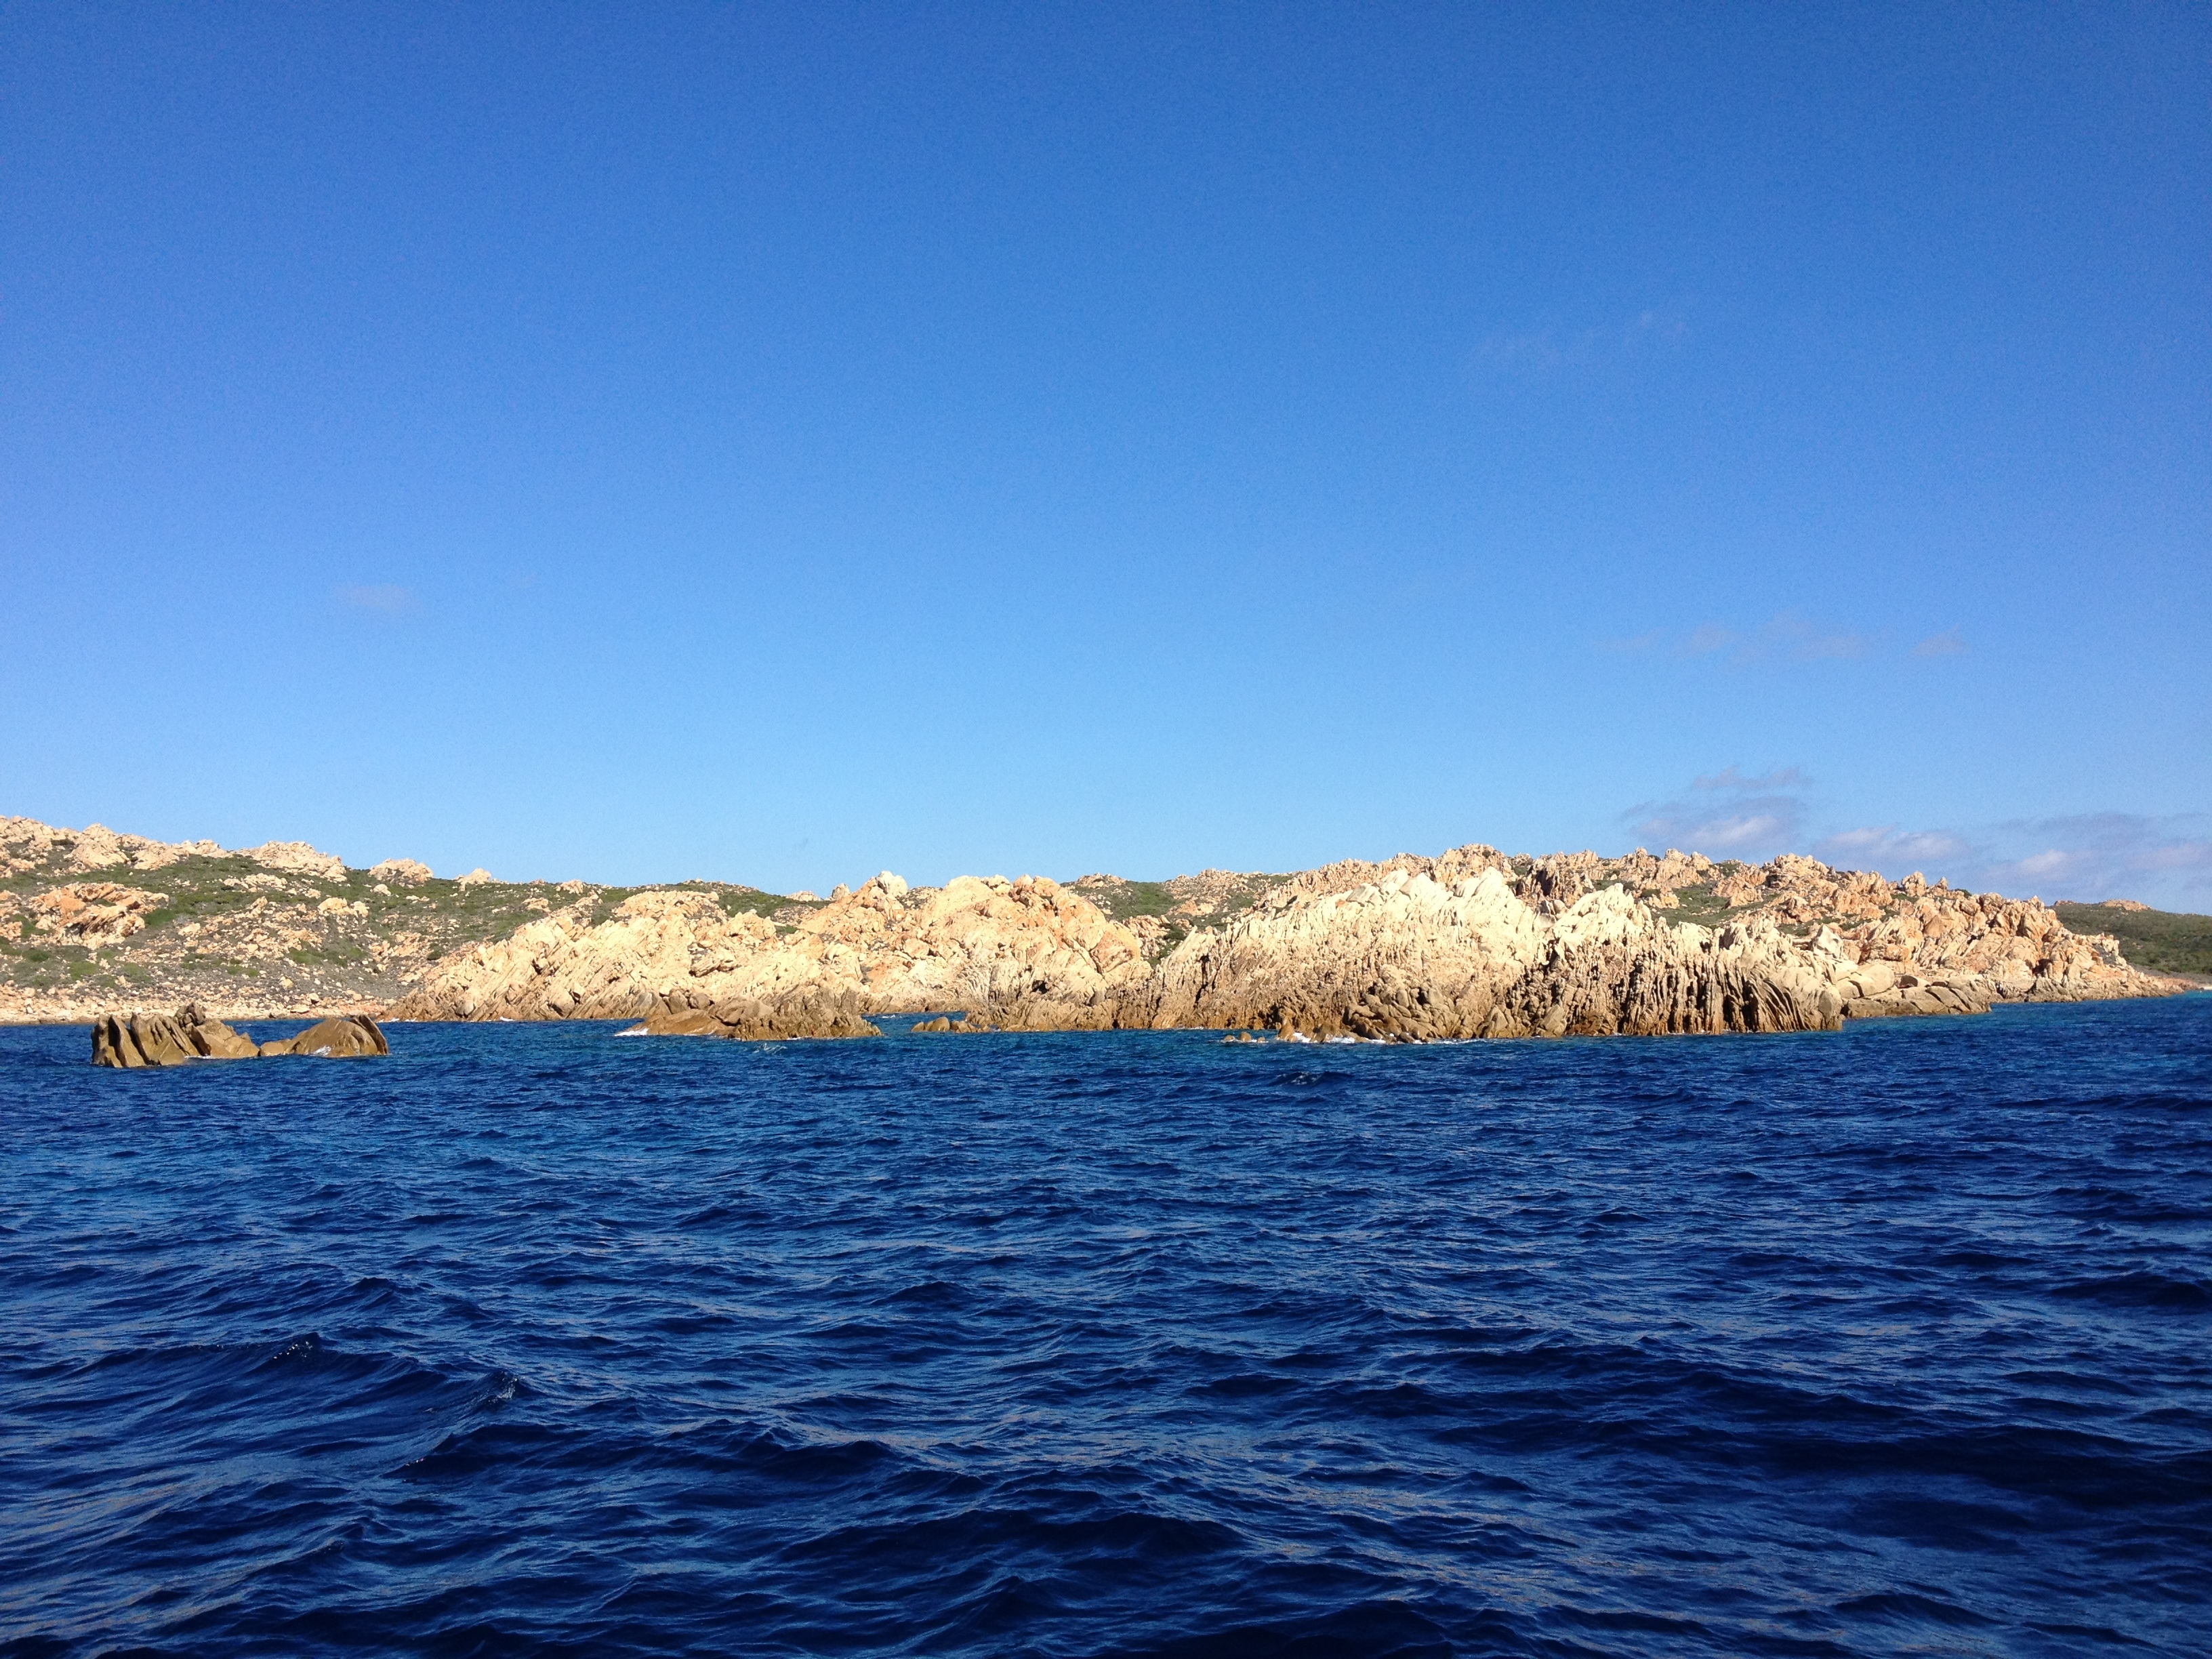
<point>1701,905</point>
<point>751,901</point>
<point>1125,899</point>
<point>340,953</point>
<point>2157,941</point>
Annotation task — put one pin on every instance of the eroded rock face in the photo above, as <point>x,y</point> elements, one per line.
<point>297,857</point>
<point>1036,953</point>
<point>26,844</point>
<point>97,912</point>
<point>130,1042</point>
<point>750,1019</point>
<point>347,1036</point>
<point>567,968</point>
<point>1410,958</point>
<point>1470,944</point>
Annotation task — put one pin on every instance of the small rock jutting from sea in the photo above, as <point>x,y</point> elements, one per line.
<point>130,1042</point>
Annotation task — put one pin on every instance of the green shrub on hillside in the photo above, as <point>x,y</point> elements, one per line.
<point>2157,941</point>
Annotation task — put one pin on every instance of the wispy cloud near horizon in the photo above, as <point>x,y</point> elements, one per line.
<point>2165,862</point>
<point>382,601</point>
<point>1729,814</point>
<point>1789,638</point>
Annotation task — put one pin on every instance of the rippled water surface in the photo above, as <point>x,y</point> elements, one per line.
<point>535,1340</point>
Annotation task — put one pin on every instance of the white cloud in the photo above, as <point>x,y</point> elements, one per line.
<point>1731,777</point>
<point>1946,644</point>
<point>2164,862</point>
<point>1635,645</point>
<point>1547,348</point>
<point>384,601</point>
<point>1891,851</point>
<point>1752,819</point>
<point>1789,637</point>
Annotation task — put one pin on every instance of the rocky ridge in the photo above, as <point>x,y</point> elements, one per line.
<point>1470,943</point>
<point>1035,953</point>
<point>91,920</point>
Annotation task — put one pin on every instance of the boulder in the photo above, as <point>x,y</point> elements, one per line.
<point>753,1019</point>
<point>140,1040</point>
<point>345,1038</point>
<point>143,1040</point>
<point>297,857</point>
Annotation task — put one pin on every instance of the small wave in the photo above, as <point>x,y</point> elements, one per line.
<point>1115,1345</point>
<point>2140,1290</point>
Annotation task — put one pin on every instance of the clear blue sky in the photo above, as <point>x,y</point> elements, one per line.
<point>777,444</point>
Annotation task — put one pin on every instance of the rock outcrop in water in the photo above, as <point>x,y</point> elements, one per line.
<point>134,1041</point>
<point>1409,957</point>
<point>567,967</point>
<point>1036,955</point>
<point>752,1020</point>
<point>1472,944</point>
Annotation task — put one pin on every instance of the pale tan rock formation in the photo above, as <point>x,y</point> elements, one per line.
<point>566,968</point>
<point>1407,955</point>
<point>297,857</point>
<point>94,911</point>
<point>136,1041</point>
<point>1470,944</point>
<point>26,844</point>
<point>1411,957</point>
<point>750,1019</point>
<point>346,1036</point>
<point>1033,952</point>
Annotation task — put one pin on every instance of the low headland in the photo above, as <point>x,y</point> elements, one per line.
<point>1473,942</point>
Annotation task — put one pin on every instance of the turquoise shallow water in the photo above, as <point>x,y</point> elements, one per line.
<point>538,1340</point>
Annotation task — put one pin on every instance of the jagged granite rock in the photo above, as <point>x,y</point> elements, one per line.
<point>749,1019</point>
<point>1409,957</point>
<point>1037,955</point>
<point>567,968</point>
<point>133,1041</point>
<point>1468,943</point>
<point>347,1036</point>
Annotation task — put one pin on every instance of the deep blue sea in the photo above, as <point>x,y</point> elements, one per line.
<point>537,1339</point>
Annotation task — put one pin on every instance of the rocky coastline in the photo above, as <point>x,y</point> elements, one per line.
<point>1470,944</point>
<point>1473,942</point>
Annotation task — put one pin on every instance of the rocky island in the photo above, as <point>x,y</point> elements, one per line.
<point>1471,943</point>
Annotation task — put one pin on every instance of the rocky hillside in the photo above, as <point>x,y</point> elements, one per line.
<point>1471,943</point>
<point>92,921</point>
<point>2157,941</point>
